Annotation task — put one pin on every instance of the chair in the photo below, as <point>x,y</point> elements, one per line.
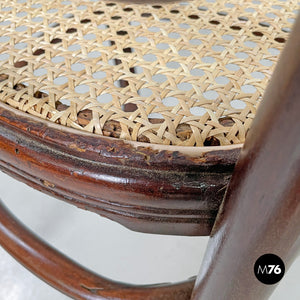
<point>139,113</point>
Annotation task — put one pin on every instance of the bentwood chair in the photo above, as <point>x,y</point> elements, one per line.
<point>139,113</point>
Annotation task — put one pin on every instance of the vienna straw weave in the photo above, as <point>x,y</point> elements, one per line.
<point>188,74</point>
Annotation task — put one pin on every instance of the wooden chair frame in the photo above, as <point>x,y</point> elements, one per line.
<point>260,212</point>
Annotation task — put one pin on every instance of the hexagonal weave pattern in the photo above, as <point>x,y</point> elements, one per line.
<point>189,73</point>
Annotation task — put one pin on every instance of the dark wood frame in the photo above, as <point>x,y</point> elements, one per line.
<point>260,212</point>
<point>145,189</point>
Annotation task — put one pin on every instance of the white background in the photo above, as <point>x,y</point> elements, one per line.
<point>103,246</point>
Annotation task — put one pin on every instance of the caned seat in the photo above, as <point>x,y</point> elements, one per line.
<point>135,111</point>
<point>184,74</point>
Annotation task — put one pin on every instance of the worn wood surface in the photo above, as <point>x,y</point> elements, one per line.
<point>144,189</point>
<point>261,210</point>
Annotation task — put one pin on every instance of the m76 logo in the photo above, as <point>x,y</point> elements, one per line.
<point>269,269</point>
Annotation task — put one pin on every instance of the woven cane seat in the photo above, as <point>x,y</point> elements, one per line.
<point>187,74</point>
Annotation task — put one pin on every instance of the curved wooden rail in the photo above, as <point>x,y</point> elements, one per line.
<point>71,278</point>
<point>174,191</point>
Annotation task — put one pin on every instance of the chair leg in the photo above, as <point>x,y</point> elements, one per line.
<point>261,209</point>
